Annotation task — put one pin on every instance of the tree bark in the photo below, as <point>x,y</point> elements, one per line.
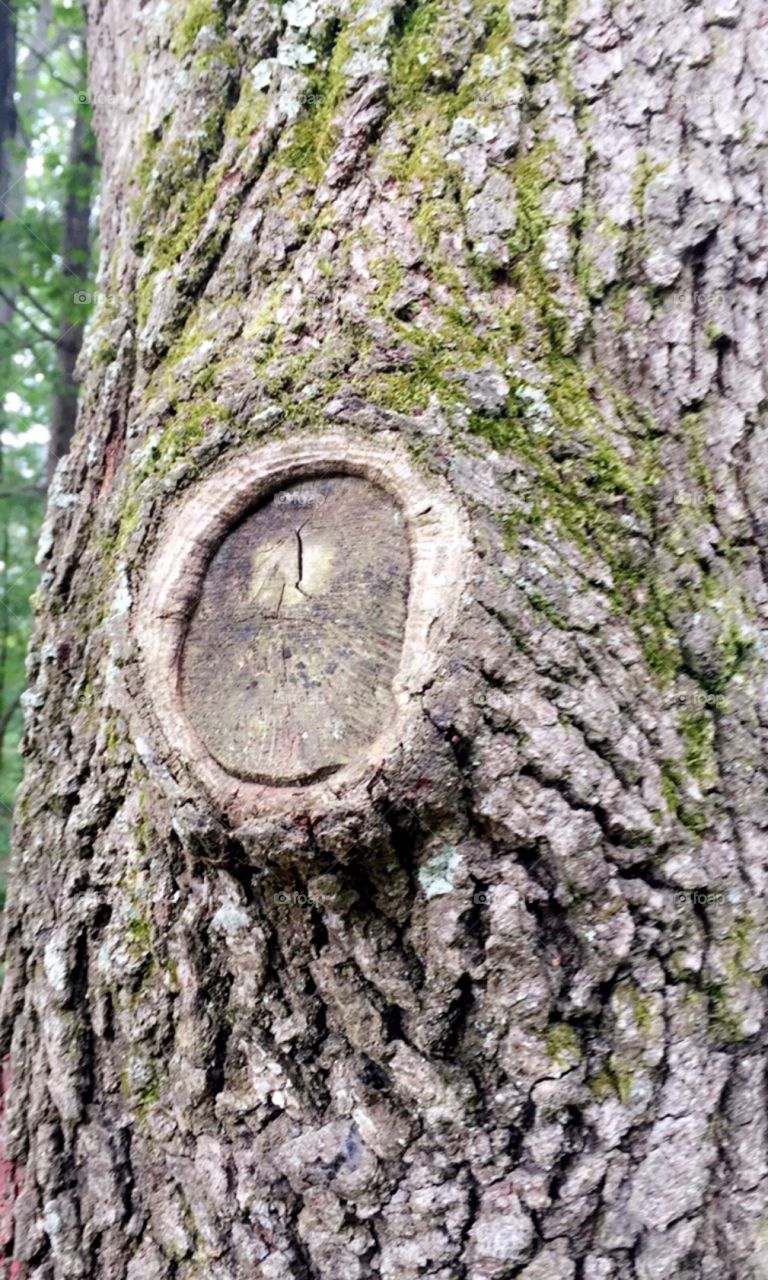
<point>76,251</point>
<point>7,138</point>
<point>499,1010</point>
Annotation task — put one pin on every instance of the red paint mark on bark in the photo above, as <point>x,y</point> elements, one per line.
<point>11,1182</point>
<point>112,456</point>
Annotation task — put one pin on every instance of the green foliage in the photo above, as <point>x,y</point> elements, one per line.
<point>39,298</point>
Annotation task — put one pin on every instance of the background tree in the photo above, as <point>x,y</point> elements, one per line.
<point>80,175</point>
<point>518,1028</point>
<point>7,93</point>
<point>44,261</point>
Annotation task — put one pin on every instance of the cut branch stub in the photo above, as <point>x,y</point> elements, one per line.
<point>290,658</point>
<point>296,606</point>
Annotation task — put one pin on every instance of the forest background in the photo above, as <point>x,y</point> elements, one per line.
<point>48,176</point>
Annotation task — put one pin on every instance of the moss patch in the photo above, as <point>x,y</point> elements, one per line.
<point>198,14</point>
<point>312,139</point>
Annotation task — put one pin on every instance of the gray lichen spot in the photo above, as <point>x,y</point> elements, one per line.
<point>296,638</point>
<point>436,876</point>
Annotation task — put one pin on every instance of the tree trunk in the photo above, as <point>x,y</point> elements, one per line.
<point>7,103</point>
<point>496,1006</point>
<point>7,138</point>
<point>76,250</point>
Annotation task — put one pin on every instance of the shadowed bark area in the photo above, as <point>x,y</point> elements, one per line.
<point>76,248</point>
<point>499,1012</point>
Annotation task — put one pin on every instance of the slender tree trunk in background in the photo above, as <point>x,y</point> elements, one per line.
<point>18,93</point>
<point>503,1014</point>
<point>81,165</point>
<point>7,104</point>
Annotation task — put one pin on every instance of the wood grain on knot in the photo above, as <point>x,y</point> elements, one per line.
<point>291,652</point>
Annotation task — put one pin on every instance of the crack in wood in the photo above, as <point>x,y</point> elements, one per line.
<point>296,637</point>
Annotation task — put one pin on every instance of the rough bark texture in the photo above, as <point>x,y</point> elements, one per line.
<point>503,1015</point>
<point>75,255</point>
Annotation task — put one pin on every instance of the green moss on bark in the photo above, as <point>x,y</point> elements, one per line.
<point>197,14</point>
